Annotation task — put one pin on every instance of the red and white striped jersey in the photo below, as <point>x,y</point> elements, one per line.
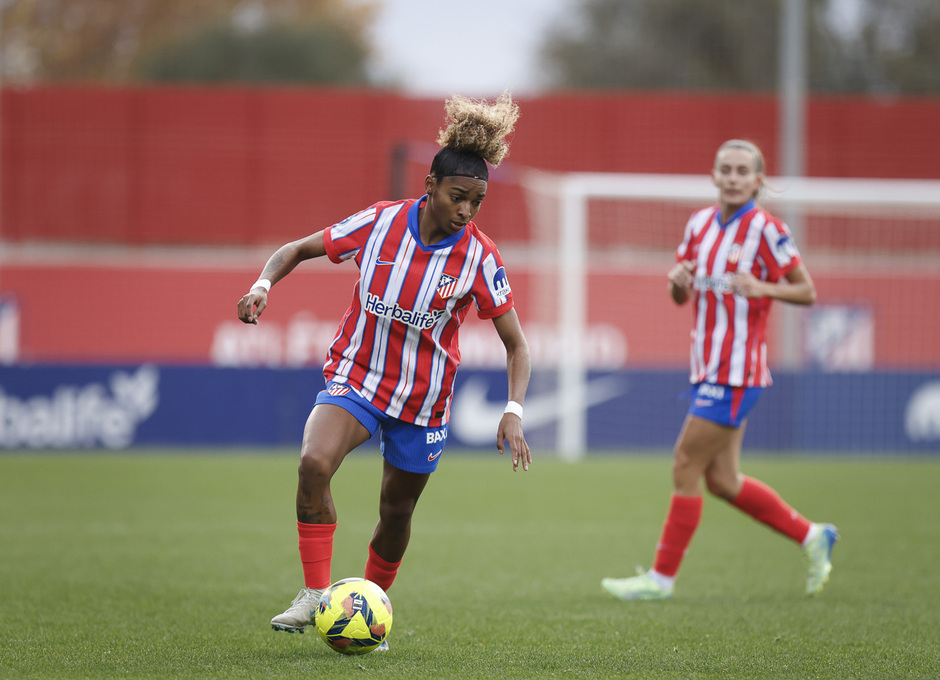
<point>397,342</point>
<point>728,340</point>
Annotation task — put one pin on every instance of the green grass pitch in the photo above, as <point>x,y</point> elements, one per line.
<point>155,564</point>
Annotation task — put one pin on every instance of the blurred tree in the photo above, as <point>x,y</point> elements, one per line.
<point>322,53</point>
<point>854,45</point>
<point>891,46</point>
<point>111,41</point>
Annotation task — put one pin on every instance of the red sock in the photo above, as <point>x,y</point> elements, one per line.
<point>316,553</point>
<point>381,572</point>
<point>685,512</point>
<point>763,504</point>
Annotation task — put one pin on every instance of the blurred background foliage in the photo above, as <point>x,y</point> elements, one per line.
<point>873,46</point>
<point>110,41</point>
<point>853,46</point>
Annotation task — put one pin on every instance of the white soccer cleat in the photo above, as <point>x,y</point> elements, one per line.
<point>639,587</point>
<point>818,553</point>
<point>301,612</point>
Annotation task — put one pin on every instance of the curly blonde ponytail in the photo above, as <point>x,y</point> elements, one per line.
<point>475,135</point>
<point>479,127</point>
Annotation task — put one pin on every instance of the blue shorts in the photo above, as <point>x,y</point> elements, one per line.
<point>407,446</point>
<point>723,404</point>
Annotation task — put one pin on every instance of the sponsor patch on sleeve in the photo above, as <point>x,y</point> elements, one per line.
<point>501,286</point>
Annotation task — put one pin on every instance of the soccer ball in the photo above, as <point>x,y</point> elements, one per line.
<point>354,616</point>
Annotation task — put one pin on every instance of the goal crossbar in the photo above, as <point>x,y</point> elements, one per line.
<point>810,192</point>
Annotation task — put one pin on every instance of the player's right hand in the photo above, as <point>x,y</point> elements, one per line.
<point>252,305</point>
<point>682,274</point>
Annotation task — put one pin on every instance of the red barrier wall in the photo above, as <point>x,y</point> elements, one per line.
<point>261,166</point>
<point>233,166</point>
<point>136,311</point>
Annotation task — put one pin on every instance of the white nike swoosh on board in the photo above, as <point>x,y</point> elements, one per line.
<point>474,418</point>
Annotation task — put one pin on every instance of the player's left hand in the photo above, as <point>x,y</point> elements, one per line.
<point>510,431</point>
<point>746,284</point>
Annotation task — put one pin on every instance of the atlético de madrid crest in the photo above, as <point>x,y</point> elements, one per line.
<point>447,286</point>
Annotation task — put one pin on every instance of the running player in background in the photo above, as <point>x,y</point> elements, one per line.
<point>391,366</point>
<point>731,264</point>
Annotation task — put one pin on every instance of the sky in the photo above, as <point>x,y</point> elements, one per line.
<point>476,48</point>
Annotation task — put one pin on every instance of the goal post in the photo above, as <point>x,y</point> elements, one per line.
<point>843,226</point>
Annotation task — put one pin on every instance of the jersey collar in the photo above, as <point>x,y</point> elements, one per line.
<point>747,207</point>
<point>413,228</point>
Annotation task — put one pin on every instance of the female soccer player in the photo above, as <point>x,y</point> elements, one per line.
<point>731,264</point>
<point>391,366</point>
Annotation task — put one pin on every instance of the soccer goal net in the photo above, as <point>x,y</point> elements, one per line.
<point>601,244</point>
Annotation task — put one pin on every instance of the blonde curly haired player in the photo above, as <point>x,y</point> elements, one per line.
<point>390,369</point>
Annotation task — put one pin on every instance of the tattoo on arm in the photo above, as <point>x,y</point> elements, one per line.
<point>274,265</point>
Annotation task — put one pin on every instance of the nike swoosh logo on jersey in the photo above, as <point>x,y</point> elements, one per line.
<point>433,456</point>
<point>378,261</point>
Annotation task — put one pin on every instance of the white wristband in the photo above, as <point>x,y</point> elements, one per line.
<point>515,408</point>
<point>261,283</point>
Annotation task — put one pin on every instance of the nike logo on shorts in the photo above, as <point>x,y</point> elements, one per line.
<point>433,456</point>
